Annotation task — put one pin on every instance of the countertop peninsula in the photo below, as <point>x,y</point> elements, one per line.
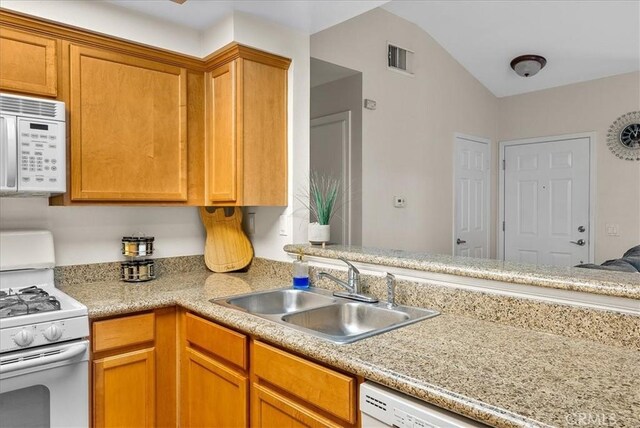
<point>604,282</point>
<point>500,375</point>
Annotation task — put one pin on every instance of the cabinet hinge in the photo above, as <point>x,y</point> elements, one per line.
<point>503,226</point>
<point>504,164</point>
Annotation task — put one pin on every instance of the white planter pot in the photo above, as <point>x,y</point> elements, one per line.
<point>319,233</point>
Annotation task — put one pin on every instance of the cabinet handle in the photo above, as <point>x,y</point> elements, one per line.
<point>580,242</point>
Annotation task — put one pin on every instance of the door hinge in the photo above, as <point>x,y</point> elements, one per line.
<point>504,164</point>
<point>503,226</point>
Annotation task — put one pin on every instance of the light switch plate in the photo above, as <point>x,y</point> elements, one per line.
<point>612,229</point>
<point>370,104</point>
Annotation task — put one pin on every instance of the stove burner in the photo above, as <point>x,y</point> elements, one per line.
<point>25,301</point>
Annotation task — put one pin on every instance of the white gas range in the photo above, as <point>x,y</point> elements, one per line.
<point>44,350</point>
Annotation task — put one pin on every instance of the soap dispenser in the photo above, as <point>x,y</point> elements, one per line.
<point>300,273</point>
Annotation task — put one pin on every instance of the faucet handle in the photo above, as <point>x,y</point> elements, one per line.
<point>391,290</point>
<point>351,266</point>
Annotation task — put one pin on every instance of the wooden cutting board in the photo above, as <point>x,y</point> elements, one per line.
<point>227,247</point>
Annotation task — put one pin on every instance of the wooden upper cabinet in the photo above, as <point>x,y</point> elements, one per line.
<point>246,109</point>
<point>128,120</point>
<point>28,63</point>
<point>223,153</point>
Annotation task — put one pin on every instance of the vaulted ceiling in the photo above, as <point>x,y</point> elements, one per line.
<point>582,40</point>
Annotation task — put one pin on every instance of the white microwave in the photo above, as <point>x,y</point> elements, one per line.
<point>32,146</point>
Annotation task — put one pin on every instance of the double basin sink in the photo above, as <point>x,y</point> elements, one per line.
<point>320,313</point>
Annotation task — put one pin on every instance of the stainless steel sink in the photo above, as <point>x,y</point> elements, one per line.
<point>280,301</point>
<point>346,319</point>
<point>319,313</point>
<point>352,321</point>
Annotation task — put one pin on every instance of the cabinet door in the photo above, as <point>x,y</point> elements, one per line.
<point>225,138</point>
<point>124,390</point>
<point>264,143</point>
<point>28,63</point>
<point>272,410</point>
<point>128,128</point>
<point>212,394</point>
<point>330,391</point>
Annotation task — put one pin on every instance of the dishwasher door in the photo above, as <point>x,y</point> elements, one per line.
<point>384,407</point>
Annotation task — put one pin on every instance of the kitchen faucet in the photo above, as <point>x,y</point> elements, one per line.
<point>353,285</point>
<point>391,290</point>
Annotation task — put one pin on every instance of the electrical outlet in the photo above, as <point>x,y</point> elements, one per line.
<point>283,225</point>
<point>251,224</point>
<point>399,201</point>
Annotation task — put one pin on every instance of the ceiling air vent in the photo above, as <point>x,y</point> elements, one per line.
<point>399,59</point>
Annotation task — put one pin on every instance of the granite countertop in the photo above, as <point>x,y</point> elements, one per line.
<point>500,375</point>
<point>621,284</point>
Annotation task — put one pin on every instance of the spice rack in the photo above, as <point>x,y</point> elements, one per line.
<point>137,267</point>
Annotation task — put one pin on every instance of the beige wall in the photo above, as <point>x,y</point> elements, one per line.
<point>408,141</point>
<point>587,107</point>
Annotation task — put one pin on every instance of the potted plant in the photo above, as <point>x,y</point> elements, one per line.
<point>322,197</point>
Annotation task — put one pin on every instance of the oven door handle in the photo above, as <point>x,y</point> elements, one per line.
<point>67,354</point>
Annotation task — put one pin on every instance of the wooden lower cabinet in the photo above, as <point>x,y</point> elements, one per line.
<point>124,390</point>
<point>133,370</point>
<point>289,387</point>
<point>213,395</point>
<point>214,385</point>
<point>225,379</point>
<point>270,409</point>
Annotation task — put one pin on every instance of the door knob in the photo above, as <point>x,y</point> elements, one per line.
<point>581,229</point>
<point>580,242</point>
<point>460,241</point>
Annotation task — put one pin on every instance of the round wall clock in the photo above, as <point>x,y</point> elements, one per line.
<point>623,138</point>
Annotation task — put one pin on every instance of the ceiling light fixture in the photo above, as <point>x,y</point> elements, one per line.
<point>528,65</point>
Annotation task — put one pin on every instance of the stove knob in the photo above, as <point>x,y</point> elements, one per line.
<point>52,333</point>
<point>23,338</point>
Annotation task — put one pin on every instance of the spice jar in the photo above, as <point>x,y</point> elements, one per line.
<point>137,246</point>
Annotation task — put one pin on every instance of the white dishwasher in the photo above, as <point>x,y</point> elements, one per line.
<point>384,407</point>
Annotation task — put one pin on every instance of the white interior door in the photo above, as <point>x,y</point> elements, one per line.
<point>330,154</point>
<point>546,202</point>
<point>472,172</point>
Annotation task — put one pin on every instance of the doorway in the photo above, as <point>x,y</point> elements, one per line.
<point>472,171</point>
<point>336,142</point>
<point>547,200</point>
<point>330,153</point>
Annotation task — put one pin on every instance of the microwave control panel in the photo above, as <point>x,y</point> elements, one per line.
<point>41,156</point>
